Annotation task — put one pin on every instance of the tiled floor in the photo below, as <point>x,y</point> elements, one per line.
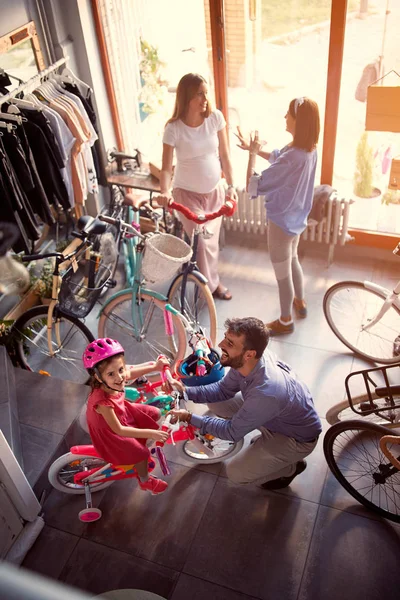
<point>208,538</point>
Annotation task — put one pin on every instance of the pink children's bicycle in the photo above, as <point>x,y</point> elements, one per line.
<point>83,471</point>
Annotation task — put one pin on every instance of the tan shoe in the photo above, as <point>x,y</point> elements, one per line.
<point>278,328</point>
<point>300,308</point>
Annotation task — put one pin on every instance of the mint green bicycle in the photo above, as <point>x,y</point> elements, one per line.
<point>136,316</point>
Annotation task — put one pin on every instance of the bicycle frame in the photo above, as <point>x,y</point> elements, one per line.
<point>133,262</point>
<point>392,299</point>
<point>191,267</point>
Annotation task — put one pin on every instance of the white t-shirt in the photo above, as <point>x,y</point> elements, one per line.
<point>198,168</point>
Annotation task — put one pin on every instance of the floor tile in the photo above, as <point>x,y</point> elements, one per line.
<point>351,558</point>
<point>252,541</point>
<point>37,446</point>
<point>98,569</point>
<point>47,402</point>
<point>50,553</point>
<point>198,589</point>
<point>157,528</point>
<point>61,510</point>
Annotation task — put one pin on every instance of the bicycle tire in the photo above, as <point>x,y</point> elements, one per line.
<point>342,411</point>
<point>199,306</point>
<point>349,304</point>
<point>224,449</point>
<point>116,322</point>
<point>353,455</point>
<point>62,470</point>
<point>32,348</point>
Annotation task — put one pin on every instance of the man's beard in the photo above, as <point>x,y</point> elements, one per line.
<point>235,363</point>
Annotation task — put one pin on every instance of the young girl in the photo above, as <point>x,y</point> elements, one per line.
<point>119,429</point>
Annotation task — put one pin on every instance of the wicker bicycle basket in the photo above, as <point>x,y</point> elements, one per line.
<point>77,299</point>
<point>163,256</point>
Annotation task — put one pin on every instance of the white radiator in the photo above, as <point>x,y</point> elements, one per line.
<point>250,217</point>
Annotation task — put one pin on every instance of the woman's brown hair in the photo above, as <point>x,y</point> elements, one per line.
<point>187,89</point>
<point>306,113</point>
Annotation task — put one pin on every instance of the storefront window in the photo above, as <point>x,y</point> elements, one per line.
<point>363,159</point>
<point>151,44</point>
<point>172,44</point>
<point>276,51</point>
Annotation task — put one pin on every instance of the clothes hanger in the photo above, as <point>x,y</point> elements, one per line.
<point>68,73</point>
<point>18,102</point>
<point>9,126</point>
<point>16,118</point>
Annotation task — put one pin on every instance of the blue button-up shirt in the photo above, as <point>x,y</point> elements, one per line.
<point>273,397</point>
<point>288,187</point>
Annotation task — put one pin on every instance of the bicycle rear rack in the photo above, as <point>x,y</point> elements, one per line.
<point>382,396</point>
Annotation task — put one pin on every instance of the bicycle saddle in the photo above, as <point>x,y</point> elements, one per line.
<point>120,157</point>
<point>88,225</point>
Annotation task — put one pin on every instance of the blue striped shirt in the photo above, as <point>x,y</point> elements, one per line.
<point>273,397</point>
<point>288,187</point>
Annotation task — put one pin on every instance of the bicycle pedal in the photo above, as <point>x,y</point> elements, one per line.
<point>111,283</point>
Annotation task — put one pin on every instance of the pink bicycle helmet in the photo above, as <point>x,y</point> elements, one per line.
<point>99,350</point>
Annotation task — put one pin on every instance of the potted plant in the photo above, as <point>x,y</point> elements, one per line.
<point>43,283</point>
<point>9,337</point>
<point>367,196</point>
<point>154,88</point>
<point>389,214</point>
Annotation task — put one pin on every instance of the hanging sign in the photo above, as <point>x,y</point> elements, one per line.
<point>394,178</point>
<point>383,107</point>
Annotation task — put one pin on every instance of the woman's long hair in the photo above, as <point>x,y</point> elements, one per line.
<point>306,113</point>
<point>187,89</point>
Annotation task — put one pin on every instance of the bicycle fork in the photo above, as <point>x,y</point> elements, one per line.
<point>389,301</point>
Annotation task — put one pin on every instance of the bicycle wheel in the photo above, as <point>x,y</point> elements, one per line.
<point>32,347</point>
<point>199,307</point>
<point>193,450</point>
<point>348,306</point>
<point>343,412</point>
<point>150,338</point>
<point>62,471</point>
<point>353,455</point>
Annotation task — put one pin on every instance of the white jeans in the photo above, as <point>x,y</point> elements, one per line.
<point>271,456</point>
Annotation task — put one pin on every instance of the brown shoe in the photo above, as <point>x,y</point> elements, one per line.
<point>278,328</point>
<point>300,308</point>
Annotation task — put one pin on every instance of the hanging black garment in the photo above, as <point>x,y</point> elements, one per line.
<point>20,156</point>
<point>47,166</point>
<point>9,215</point>
<point>16,205</point>
<point>96,149</point>
<point>40,119</point>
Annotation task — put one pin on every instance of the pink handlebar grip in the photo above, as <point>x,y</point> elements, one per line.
<point>226,209</point>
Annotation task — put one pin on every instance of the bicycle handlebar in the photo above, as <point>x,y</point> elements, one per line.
<point>226,209</point>
<point>30,257</point>
<point>123,224</point>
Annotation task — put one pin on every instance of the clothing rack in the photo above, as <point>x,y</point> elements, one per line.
<point>35,79</point>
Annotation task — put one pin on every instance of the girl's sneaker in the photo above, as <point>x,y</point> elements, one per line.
<point>153,485</point>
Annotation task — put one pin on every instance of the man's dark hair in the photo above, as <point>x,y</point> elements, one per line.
<point>255,333</point>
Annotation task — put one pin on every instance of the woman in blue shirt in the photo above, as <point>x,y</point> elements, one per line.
<point>288,186</point>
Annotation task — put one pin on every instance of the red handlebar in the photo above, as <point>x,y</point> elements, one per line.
<point>226,209</point>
